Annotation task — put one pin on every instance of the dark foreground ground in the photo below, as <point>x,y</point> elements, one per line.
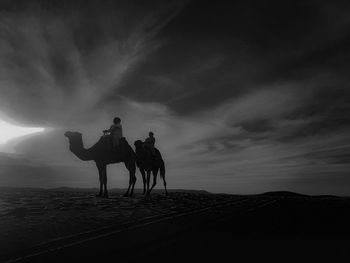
<point>67,225</point>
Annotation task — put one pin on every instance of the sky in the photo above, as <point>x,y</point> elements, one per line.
<point>242,96</point>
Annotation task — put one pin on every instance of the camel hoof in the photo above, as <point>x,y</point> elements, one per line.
<point>126,195</point>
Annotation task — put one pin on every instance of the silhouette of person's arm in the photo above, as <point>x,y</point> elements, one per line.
<point>109,130</point>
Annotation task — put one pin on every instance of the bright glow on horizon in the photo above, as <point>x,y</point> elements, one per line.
<point>9,131</point>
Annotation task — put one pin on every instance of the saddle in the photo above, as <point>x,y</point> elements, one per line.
<point>108,144</point>
<point>121,147</point>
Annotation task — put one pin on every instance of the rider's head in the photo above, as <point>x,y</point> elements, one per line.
<point>116,120</point>
<point>150,134</point>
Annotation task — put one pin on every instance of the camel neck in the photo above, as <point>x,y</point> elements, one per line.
<point>77,147</point>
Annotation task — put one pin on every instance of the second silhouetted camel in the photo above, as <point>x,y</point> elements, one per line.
<point>147,163</point>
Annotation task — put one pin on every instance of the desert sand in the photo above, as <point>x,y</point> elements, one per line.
<point>73,225</point>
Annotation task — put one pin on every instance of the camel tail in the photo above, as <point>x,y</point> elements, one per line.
<point>162,170</point>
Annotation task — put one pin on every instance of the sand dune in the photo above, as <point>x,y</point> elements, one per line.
<point>37,220</point>
<point>31,216</point>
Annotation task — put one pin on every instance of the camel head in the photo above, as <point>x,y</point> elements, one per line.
<point>138,144</point>
<point>73,136</point>
<point>76,146</point>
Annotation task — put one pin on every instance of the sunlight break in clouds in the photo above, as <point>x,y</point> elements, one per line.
<point>9,131</point>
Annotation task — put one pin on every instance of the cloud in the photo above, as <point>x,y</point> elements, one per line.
<point>215,148</point>
<point>54,70</point>
<point>242,97</point>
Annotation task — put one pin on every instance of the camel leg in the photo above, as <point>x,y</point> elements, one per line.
<point>131,187</point>
<point>100,178</point>
<point>154,172</point>
<point>143,179</point>
<point>148,181</point>
<point>162,175</point>
<point>166,191</point>
<point>127,191</point>
<point>104,176</point>
<point>133,181</point>
<point>132,171</point>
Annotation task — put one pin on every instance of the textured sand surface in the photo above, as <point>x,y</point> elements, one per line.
<point>75,226</point>
<point>29,217</point>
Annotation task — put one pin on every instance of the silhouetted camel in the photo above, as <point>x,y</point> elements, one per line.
<point>103,154</point>
<point>148,163</point>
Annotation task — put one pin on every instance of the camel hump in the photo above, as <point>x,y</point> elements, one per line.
<point>106,144</point>
<point>124,142</point>
<point>158,154</point>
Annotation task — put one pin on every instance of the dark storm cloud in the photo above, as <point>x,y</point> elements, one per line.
<point>234,46</point>
<point>336,155</point>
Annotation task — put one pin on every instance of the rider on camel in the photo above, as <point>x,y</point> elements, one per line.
<point>150,141</point>
<point>116,131</point>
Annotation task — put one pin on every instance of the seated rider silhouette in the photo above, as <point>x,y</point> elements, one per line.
<point>149,143</point>
<point>116,131</point>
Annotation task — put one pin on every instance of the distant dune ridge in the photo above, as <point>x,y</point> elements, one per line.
<point>284,193</point>
<point>137,190</point>
<point>77,189</point>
